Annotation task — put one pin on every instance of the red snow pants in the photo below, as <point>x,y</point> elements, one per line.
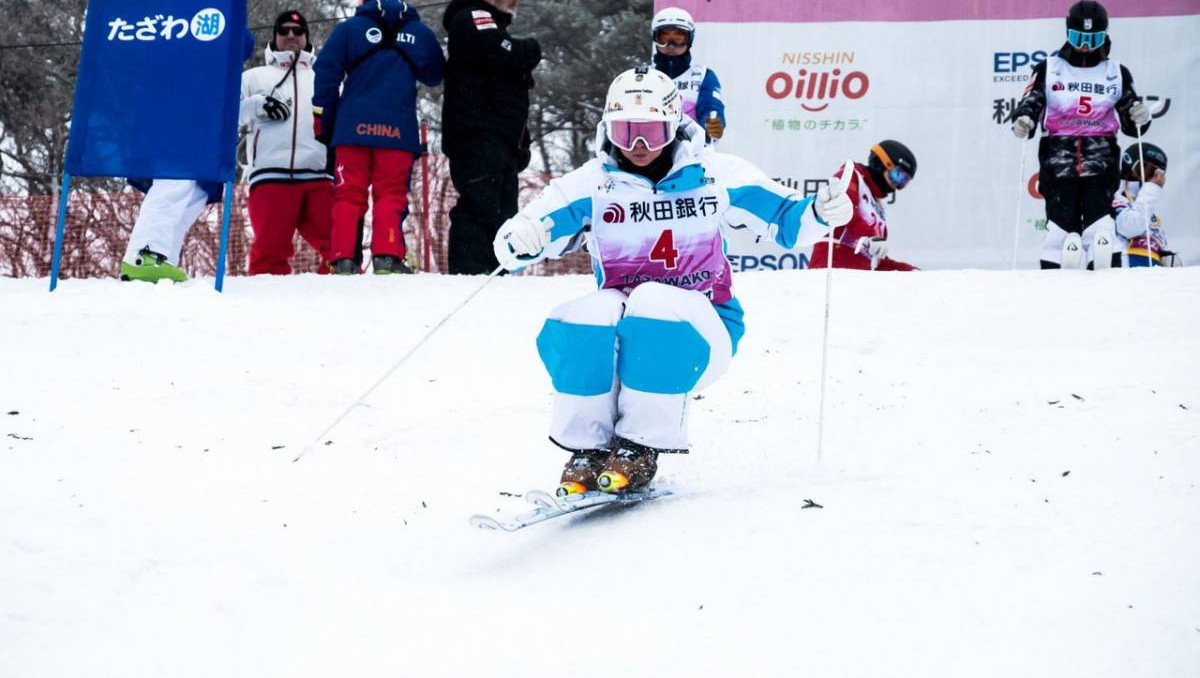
<point>386,171</point>
<point>845,257</point>
<point>277,211</point>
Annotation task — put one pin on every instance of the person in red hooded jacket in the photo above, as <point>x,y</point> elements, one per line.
<point>862,243</point>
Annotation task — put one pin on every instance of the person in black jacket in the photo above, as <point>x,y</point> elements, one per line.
<point>484,133</point>
<point>1082,98</point>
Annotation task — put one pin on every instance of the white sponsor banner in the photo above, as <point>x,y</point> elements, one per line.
<point>801,98</point>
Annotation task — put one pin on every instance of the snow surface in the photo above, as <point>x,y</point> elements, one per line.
<point>1008,482</point>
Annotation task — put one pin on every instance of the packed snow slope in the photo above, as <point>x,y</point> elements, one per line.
<point>1007,486</point>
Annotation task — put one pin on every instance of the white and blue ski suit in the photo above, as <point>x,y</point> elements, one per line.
<point>665,321</point>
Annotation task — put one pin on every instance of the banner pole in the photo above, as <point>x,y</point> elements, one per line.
<point>425,235</point>
<point>59,229</point>
<point>225,216</point>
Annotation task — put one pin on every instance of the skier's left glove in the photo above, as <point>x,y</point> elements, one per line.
<point>1139,114</point>
<point>833,205</point>
<point>713,126</point>
<point>322,129</point>
<point>876,248</point>
<point>520,241</point>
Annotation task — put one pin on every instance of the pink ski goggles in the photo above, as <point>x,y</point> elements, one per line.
<point>625,133</point>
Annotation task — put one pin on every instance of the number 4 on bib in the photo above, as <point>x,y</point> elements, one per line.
<point>664,249</point>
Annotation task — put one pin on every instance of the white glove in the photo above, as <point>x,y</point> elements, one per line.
<point>520,241</point>
<point>876,248</point>
<point>832,205</point>
<point>1139,114</point>
<point>1022,126</point>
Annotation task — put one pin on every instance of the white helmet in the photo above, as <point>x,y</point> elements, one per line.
<point>673,17</point>
<point>642,94</point>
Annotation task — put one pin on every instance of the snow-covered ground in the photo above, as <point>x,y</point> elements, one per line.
<point>1008,482</point>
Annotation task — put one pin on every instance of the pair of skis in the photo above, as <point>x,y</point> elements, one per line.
<point>547,506</point>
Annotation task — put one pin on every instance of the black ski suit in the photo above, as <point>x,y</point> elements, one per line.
<point>484,133</point>
<point>1078,174</point>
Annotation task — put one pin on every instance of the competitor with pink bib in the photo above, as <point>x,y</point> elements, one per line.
<point>651,209</point>
<point>1082,99</point>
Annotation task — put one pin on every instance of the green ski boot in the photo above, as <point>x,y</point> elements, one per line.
<point>151,267</point>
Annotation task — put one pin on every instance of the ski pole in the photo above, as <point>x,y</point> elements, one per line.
<point>1142,169</point>
<point>847,174</point>
<point>397,364</point>
<point>1020,189</point>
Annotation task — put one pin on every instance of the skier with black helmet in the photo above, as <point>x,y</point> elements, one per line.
<point>1081,98</point>
<point>1143,176</point>
<point>673,31</point>
<point>862,243</point>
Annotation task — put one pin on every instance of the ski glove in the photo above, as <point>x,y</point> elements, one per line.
<point>270,108</point>
<point>321,132</point>
<point>1139,114</point>
<point>1022,127</point>
<point>520,241</point>
<point>833,205</point>
<point>876,248</point>
<point>276,109</point>
<point>713,126</point>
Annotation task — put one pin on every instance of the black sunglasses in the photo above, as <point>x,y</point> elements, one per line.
<point>286,30</point>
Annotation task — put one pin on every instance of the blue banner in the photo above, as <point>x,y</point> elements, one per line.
<point>158,88</point>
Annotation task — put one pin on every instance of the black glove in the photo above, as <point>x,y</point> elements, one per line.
<point>275,109</point>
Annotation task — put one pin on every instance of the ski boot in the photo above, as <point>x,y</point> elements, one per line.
<point>150,266</point>
<point>579,475</point>
<point>344,267</point>
<point>631,467</point>
<point>386,264</point>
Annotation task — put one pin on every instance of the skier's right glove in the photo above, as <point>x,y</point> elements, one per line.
<point>270,108</point>
<point>521,241</point>
<point>275,109</point>
<point>833,205</point>
<point>1022,127</point>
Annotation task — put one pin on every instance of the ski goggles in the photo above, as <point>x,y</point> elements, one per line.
<point>895,173</point>
<point>899,176</point>
<point>1080,39</point>
<point>624,134</point>
<point>664,44</point>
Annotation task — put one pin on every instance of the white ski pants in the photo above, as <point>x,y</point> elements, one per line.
<point>169,209</point>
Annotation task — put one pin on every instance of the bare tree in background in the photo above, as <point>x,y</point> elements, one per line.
<point>37,85</point>
<point>585,44</point>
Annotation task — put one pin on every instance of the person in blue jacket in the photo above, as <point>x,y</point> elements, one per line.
<point>365,108</point>
<point>673,32</point>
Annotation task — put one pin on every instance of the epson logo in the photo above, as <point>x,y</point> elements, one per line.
<point>1011,62</point>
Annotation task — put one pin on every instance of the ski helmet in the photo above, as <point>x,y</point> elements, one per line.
<point>1153,155</point>
<point>673,17</point>
<point>1087,23</point>
<point>642,103</point>
<point>893,160</point>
